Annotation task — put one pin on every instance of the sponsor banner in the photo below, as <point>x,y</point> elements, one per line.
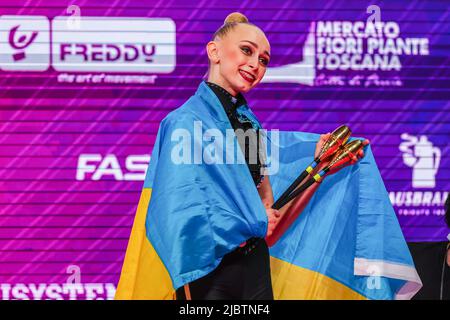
<point>351,53</point>
<point>97,44</point>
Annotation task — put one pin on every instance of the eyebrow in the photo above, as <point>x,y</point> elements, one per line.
<point>255,45</point>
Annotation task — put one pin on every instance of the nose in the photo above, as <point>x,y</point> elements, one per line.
<point>253,63</point>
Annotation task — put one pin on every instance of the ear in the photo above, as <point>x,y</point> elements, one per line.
<point>213,51</point>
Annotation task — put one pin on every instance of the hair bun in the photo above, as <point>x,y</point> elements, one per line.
<point>236,17</point>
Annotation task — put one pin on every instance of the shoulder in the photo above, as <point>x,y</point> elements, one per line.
<point>187,112</point>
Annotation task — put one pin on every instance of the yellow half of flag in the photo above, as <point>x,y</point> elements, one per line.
<point>144,276</point>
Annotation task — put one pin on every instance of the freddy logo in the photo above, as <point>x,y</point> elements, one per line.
<point>114,44</point>
<point>99,44</point>
<point>107,52</point>
<point>21,42</point>
<point>28,45</point>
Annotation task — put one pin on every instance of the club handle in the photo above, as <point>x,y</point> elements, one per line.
<point>281,202</point>
<point>290,189</point>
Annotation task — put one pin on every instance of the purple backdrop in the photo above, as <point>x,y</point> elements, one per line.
<point>83,89</point>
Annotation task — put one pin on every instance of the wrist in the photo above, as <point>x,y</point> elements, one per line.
<point>267,204</point>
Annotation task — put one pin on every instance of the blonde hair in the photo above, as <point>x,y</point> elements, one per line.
<point>231,21</point>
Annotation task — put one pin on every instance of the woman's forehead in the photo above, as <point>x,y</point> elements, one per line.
<point>246,32</point>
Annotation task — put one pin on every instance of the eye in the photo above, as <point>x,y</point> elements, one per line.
<point>246,50</point>
<point>264,61</point>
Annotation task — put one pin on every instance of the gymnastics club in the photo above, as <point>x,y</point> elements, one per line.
<point>336,139</point>
<point>343,157</point>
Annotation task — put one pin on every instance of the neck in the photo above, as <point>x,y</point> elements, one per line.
<point>221,82</point>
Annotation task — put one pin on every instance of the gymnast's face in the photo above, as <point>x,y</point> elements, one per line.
<point>239,60</point>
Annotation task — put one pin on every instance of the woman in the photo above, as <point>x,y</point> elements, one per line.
<point>206,219</point>
<point>238,57</point>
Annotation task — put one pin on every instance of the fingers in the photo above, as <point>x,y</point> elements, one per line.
<point>354,159</point>
<point>361,152</point>
<point>273,218</point>
<point>269,232</point>
<point>273,214</point>
<point>270,228</point>
<point>325,136</point>
<point>271,211</point>
<point>319,144</point>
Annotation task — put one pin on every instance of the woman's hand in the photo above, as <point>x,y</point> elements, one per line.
<point>323,138</point>
<point>353,159</point>
<point>273,217</point>
<point>360,153</point>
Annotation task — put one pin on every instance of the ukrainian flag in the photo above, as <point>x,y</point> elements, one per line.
<point>346,244</point>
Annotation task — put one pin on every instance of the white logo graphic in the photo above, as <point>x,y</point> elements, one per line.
<point>96,167</point>
<point>97,44</point>
<point>353,53</point>
<point>420,154</point>
<point>25,43</point>
<point>302,72</point>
